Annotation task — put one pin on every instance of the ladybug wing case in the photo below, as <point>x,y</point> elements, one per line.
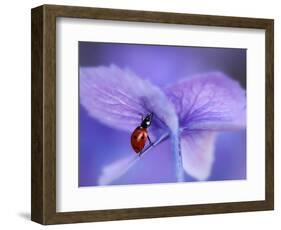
<point>138,139</point>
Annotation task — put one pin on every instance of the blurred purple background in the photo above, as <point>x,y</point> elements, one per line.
<point>100,145</point>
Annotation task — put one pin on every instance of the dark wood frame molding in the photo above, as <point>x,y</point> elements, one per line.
<point>43,159</point>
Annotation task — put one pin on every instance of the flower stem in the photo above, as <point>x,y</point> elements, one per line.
<point>177,157</point>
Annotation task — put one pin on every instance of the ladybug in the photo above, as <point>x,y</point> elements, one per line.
<point>140,134</point>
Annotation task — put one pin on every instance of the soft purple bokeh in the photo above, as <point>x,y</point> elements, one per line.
<point>162,65</point>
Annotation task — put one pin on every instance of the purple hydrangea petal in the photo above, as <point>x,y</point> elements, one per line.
<point>118,98</point>
<point>205,104</point>
<point>210,101</point>
<point>198,153</point>
<point>116,169</point>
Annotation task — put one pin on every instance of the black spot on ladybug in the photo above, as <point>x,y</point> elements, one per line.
<point>135,137</point>
<point>142,137</point>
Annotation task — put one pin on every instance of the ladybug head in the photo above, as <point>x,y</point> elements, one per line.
<point>146,122</point>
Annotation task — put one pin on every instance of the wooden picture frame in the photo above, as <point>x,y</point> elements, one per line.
<point>43,205</point>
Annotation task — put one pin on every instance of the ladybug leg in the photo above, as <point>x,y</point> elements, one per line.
<point>141,152</point>
<point>150,142</point>
<point>144,150</point>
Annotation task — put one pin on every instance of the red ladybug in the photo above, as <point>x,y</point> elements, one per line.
<point>140,134</point>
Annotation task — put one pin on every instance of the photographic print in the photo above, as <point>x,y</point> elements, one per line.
<point>161,114</point>
<point>142,114</point>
